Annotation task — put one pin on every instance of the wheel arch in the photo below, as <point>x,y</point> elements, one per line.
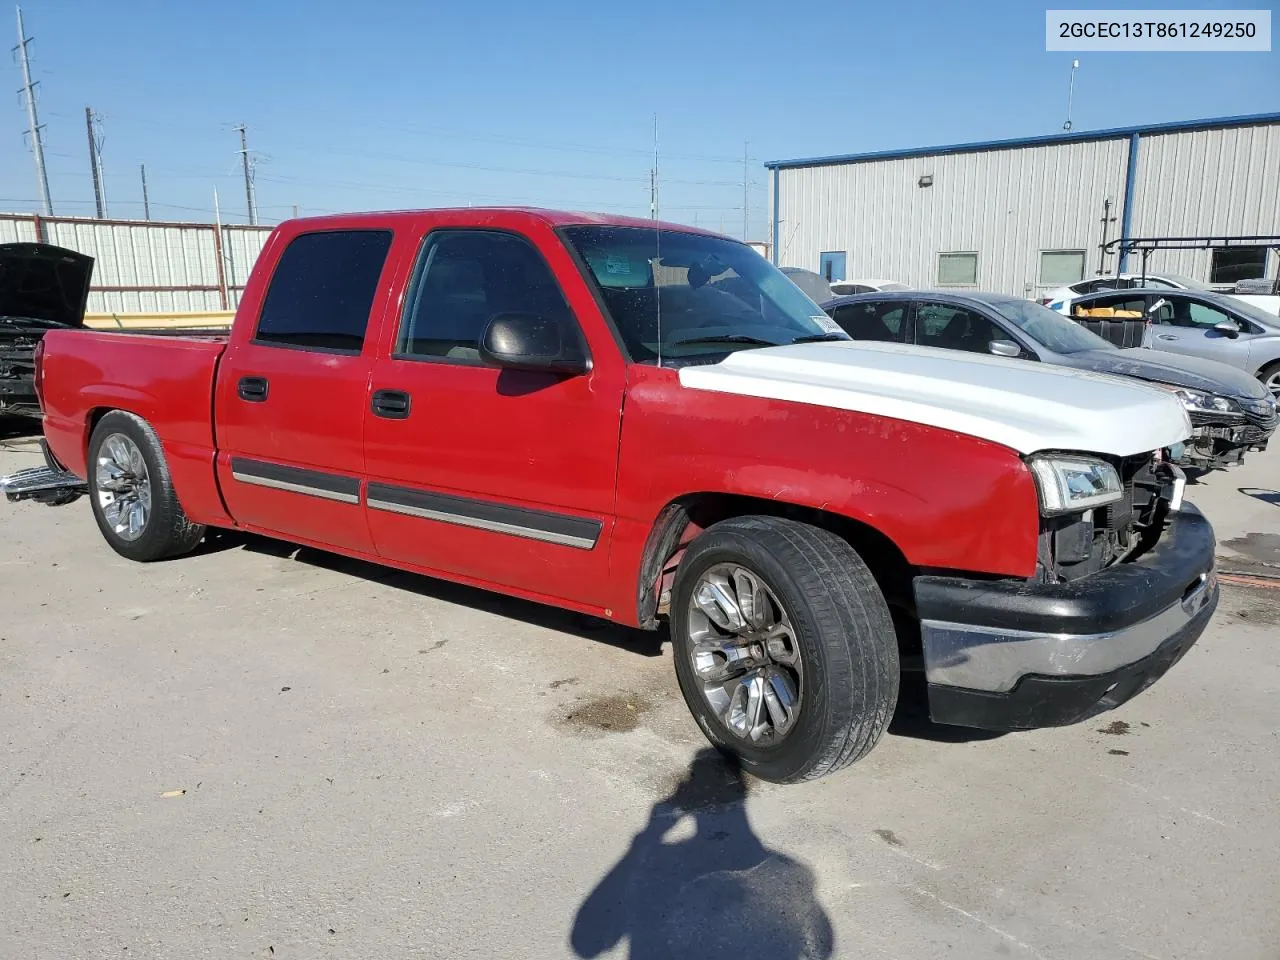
<point>682,519</point>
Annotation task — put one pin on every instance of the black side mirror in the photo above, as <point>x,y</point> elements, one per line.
<point>1227,328</point>
<point>526,341</point>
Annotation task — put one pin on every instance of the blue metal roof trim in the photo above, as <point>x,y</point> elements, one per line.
<point>1177,126</point>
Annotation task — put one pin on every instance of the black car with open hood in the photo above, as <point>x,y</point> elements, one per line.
<point>42,287</point>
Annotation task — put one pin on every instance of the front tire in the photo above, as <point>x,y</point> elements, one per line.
<point>1270,377</point>
<point>132,492</point>
<point>784,646</point>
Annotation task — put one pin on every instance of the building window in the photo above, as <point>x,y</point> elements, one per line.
<point>1060,267</point>
<point>957,269</point>
<point>831,265</point>
<point>1230,264</point>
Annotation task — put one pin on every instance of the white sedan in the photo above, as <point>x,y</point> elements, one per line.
<point>843,288</point>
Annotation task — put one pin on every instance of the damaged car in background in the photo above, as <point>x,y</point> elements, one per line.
<point>1231,412</point>
<point>42,288</point>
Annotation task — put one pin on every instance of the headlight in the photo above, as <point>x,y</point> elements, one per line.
<point>1198,401</point>
<point>1265,408</point>
<point>1068,484</point>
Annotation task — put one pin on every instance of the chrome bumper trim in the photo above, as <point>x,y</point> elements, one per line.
<point>993,659</point>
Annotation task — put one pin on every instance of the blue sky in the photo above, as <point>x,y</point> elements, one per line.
<point>382,105</point>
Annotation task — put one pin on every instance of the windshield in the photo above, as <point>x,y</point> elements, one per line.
<point>1048,328</point>
<point>1249,310</point>
<point>693,294</point>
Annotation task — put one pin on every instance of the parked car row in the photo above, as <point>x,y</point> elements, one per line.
<point>1231,411</point>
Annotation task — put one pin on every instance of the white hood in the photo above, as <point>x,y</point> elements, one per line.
<point>1021,404</point>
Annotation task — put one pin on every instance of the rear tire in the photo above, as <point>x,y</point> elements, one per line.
<point>820,695</point>
<point>132,492</point>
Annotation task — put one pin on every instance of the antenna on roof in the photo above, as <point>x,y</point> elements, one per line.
<point>1071,92</point>
<point>657,235</point>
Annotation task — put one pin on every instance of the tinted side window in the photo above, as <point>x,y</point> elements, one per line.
<point>873,321</point>
<point>465,278</point>
<point>322,290</point>
<point>955,328</point>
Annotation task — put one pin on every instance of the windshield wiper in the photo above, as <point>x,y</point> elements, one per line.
<point>831,337</point>
<point>727,338</point>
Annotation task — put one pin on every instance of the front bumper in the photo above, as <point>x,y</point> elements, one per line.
<point>1014,655</point>
<point>1218,443</point>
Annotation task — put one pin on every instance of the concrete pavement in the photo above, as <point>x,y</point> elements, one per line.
<point>257,751</point>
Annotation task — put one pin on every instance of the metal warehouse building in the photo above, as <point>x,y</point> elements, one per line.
<point>1022,216</point>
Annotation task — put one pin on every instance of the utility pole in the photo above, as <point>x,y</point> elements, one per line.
<point>94,166</point>
<point>744,191</point>
<point>146,202</point>
<point>34,127</point>
<point>248,176</point>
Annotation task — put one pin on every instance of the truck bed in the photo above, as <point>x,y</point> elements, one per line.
<point>167,380</point>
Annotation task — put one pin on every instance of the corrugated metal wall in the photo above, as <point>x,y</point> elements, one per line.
<point>1005,205</point>
<point>1206,182</point>
<point>150,267</point>
<point>1008,205</point>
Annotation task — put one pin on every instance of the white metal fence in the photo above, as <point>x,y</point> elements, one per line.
<point>143,266</point>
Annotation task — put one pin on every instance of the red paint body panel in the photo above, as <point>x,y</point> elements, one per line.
<point>614,446</point>
<point>168,381</point>
<point>524,439</point>
<point>945,499</point>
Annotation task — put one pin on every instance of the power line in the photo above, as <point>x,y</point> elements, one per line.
<point>34,127</point>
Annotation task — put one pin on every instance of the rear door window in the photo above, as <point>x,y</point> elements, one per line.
<point>322,291</point>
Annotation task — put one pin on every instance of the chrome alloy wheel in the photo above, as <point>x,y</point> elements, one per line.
<point>745,654</point>
<point>122,486</point>
<point>1272,383</point>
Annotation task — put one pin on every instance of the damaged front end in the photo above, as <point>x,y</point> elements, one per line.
<point>1223,429</point>
<point>1125,585</point>
<point>1077,544</point>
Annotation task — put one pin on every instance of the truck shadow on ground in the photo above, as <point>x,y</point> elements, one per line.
<point>911,716</point>
<point>697,882</point>
<point>644,642</point>
<point>19,429</point>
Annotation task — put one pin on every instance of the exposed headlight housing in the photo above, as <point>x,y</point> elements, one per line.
<point>1068,484</point>
<point>1198,401</point>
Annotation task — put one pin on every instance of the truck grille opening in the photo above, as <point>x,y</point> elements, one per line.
<point>1077,545</point>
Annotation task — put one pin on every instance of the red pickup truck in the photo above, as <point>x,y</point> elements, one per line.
<point>645,422</point>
